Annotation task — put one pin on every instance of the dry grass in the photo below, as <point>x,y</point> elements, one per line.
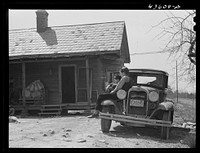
<point>185,108</point>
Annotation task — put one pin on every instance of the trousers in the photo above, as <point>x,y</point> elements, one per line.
<point>105,96</point>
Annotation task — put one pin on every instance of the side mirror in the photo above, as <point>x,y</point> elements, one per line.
<point>121,94</point>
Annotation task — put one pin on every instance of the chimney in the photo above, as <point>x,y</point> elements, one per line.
<point>42,20</point>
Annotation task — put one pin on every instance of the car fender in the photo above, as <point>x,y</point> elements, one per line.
<point>166,105</point>
<point>107,102</point>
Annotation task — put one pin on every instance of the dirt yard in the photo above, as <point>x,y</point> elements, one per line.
<point>78,131</point>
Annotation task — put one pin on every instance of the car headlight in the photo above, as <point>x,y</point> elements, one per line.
<point>153,96</point>
<point>121,94</point>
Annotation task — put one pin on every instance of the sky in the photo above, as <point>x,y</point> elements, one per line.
<point>141,36</point>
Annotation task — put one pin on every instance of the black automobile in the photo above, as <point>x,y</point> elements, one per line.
<point>144,104</point>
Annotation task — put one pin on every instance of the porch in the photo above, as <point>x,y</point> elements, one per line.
<point>59,107</point>
<point>50,84</point>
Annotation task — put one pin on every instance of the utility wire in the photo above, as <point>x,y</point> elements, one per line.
<point>145,53</point>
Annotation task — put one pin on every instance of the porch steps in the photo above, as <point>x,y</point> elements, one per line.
<point>50,110</point>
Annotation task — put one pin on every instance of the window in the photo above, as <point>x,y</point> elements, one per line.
<point>145,79</point>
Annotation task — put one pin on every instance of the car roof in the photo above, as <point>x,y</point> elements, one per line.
<point>149,71</point>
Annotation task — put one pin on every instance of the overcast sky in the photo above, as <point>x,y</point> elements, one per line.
<point>141,36</point>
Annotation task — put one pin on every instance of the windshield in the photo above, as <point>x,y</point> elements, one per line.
<point>149,79</point>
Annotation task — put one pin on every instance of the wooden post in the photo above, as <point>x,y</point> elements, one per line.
<point>90,71</point>
<point>23,84</point>
<point>88,84</point>
<point>24,111</point>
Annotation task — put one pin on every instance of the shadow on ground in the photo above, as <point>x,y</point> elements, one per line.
<point>69,113</point>
<point>151,133</point>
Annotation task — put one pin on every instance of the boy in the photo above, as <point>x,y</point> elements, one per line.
<point>112,85</point>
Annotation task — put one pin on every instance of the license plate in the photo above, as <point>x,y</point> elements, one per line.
<point>137,103</point>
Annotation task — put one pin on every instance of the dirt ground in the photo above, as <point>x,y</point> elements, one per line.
<point>78,131</point>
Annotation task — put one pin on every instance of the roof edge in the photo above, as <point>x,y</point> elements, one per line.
<point>62,55</point>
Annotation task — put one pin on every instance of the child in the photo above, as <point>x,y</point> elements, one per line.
<point>112,85</point>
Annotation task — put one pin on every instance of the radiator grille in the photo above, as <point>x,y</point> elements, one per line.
<point>137,102</point>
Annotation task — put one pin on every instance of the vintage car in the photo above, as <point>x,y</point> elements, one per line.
<point>145,104</point>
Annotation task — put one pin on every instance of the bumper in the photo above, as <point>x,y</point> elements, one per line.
<point>130,119</point>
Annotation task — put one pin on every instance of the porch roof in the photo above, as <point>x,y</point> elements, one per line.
<point>70,40</point>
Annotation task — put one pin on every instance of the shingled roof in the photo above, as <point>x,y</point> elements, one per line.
<point>70,40</point>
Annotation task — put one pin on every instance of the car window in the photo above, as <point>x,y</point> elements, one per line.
<point>145,79</point>
<point>150,80</point>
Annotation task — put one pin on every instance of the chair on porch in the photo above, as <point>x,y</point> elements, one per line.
<point>35,93</point>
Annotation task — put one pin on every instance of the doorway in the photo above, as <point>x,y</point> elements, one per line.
<point>68,84</point>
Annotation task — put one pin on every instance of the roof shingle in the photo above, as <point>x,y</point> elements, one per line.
<point>71,39</point>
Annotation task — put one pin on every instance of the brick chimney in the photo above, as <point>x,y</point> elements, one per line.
<point>42,20</point>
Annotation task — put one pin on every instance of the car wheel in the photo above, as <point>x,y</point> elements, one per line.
<point>165,130</point>
<point>106,123</point>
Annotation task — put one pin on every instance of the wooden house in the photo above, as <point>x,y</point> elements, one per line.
<point>70,63</point>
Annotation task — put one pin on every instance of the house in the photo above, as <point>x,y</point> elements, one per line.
<point>70,63</point>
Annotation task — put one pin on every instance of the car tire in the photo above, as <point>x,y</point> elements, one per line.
<point>106,123</point>
<point>165,130</point>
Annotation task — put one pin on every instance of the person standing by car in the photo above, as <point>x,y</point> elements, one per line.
<point>125,83</point>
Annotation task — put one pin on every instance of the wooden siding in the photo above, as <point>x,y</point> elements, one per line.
<point>48,73</point>
<point>15,71</point>
<point>41,71</point>
<point>124,53</point>
<point>100,68</point>
<point>111,66</point>
<point>97,74</point>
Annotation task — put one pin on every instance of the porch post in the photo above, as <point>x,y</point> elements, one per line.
<point>24,111</point>
<point>88,83</point>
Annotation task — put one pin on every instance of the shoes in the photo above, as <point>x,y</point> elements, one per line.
<point>94,115</point>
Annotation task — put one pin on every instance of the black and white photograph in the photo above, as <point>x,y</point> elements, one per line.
<point>102,78</point>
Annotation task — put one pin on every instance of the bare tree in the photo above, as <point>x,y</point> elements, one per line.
<point>180,41</point>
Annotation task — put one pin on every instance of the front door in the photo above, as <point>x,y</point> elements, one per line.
<point>68,84</point>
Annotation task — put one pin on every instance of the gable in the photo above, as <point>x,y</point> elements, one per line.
<point>125,55</point>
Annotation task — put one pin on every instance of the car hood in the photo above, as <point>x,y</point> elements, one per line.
<point>143,87</point>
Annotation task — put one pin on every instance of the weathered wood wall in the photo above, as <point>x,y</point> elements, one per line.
<point>97,74</point>
<point>101,67</point>
<point>15,71</point>
<point>48,73</point>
